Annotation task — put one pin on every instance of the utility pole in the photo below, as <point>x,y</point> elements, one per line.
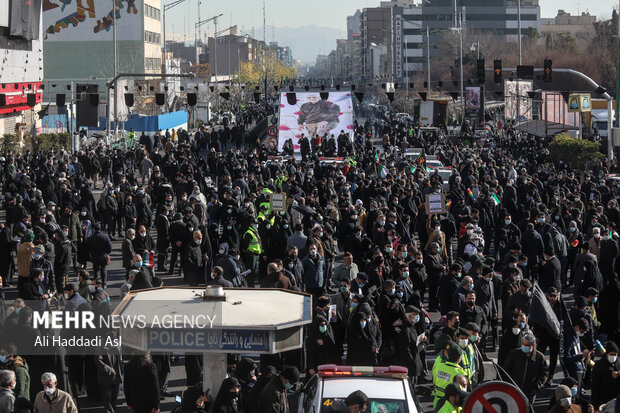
<point>617,74</point>
<point>519,27</point>
<point>198,35</point>
<point>115,71</point>
<point>461,61</point>
<point>428,56</point>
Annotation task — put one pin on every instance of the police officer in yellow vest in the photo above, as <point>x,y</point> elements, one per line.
<point>251,248</point>
<point>264,213</point>
<point>444,374</point>
<point>467,358</point>
<point>455,397</point>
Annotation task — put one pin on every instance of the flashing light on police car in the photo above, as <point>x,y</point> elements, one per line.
<point>332,370</point>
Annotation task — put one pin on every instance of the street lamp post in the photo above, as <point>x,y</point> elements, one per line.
<point>166,8</point>
<point>519,27</point>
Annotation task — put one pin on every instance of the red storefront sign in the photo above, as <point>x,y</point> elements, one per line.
<point>16,96</point>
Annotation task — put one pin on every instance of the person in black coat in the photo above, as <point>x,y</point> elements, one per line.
<point>321,345</point>
<point>448,285</point>
<point>605,376</point>
<point>143,278</point>
<point>111,211</point>
<point>141,384</point>
<point>162,225</point>
<point>361,344</point>
<point>193,260</point>
<point>407,347</point>
<point>100,247</point>
<point>550,271</point>
<point>228,399</point>
<point>246,373</point>
<point>63,259</point>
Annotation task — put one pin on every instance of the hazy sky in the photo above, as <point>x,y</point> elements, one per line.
<point>248,14</point>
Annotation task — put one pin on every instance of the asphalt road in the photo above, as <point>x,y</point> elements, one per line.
<point>176,384</point>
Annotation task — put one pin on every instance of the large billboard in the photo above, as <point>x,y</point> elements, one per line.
<point>556,110</point>
<point>312,115</point>
<point>518,103</point>
<point>472,100</point>
<point>92,20</point>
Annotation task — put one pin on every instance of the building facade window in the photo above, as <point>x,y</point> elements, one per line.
<point>152,63</point>
<point>152,12</point>
<point>150,37</point>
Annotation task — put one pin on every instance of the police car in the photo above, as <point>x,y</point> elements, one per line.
<point>388,389</point>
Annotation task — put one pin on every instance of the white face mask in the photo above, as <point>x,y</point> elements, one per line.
<point>565,402</point>
<point>516,331</point>
<point>49,390</point>
<point>463,342</point>
<point>612,359</point>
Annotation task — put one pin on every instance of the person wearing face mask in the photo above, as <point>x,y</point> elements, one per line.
<point>363,338</point>
<point>292,264</point>
<point>528,367</point>
<point>575,353</point>
<point>342,300</point>
<point>231,269</point>
<point>72,298</point>
<point>550,270</point>
<point>406,285</point>
<point>564,401</point>
<point>409,347</point>
<point>417,273</point>
<point>605,375</point>
<point>313,277</point>
<point>10,361</point>
<point>193,260</point>
<point>595,243</point>
<point>472,313</point>
<point>575,242</point>
<point>273,398</point>
<point>608,251</point>
<point>52,399</point>
<point>449,283</point>
<point>143,278</point>
<point>514,329</point>
<point>228,399</point>
<point>436,265</point>
<point>321,345</point>
<point>360,284</point>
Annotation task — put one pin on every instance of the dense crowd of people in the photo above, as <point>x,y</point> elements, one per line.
<point>521,259</point>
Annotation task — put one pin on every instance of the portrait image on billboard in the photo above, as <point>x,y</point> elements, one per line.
<point>310,115</point>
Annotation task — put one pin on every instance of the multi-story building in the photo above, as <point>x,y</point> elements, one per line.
<point>376,42</point>
<point>229,51</point>
<point>79,39</point>
<point>495,17</point>
<point>283,53</point>
<point>580,27</point>
<point>21,70</point>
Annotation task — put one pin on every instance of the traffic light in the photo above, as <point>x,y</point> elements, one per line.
<point>497,71</point>
<point>480,71</point>
<point>547,71</point>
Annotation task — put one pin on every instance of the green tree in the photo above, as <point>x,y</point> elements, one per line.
<point>576,152</point>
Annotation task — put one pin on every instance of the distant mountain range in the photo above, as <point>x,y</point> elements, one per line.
<point>306,42</point>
